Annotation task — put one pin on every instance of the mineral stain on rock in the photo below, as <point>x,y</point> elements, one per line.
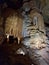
<point>23,39</point>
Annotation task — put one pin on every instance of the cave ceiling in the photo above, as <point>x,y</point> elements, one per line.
<point>43,5</point>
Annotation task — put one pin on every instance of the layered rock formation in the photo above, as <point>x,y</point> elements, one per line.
<point>34,35</point>
<point>27,23</point>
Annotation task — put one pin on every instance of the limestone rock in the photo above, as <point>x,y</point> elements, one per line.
<point>26,6</point>
<point>13,23</point>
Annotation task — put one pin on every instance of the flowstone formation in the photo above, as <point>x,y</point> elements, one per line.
<point>34,36</point>
<point>33,29</point>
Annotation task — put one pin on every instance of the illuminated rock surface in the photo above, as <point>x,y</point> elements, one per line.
<point>30,26</point>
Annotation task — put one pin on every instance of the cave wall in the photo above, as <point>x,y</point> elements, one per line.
<point>1,30</point>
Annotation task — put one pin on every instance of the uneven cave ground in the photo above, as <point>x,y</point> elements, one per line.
<point>9,57</point>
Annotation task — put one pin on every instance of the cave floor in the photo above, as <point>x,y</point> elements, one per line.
<point>9,57</point>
